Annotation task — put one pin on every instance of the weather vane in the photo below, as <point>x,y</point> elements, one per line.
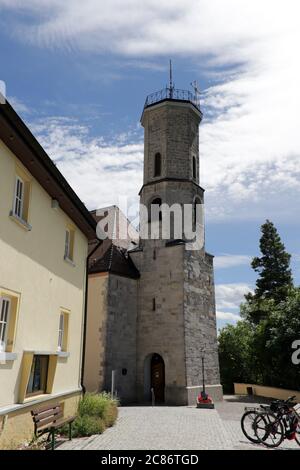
<point>171,84</point>
<point>194,85</point>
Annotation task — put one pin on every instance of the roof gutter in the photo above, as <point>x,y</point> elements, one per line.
<point>85,315</point>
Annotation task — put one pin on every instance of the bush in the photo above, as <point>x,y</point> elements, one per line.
<point>87,426</point>
<point>110,415</point>
<point>96,412</point>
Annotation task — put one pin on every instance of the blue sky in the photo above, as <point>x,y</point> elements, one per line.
<point>79,72</point>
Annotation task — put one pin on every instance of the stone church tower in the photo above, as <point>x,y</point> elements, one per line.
<point>151,309</point>
<point>176,321</point>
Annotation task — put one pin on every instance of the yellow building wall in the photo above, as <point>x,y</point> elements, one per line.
<point>32,265</point>
<point>269,392</point>
<point>96,331</point>
<point>22,422</point>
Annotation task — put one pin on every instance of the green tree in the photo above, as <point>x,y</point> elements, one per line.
<point>275,277</point>
<point>236,355</point>
<point>261,353</point>
<point>258,349</point>
<point>282,329</point>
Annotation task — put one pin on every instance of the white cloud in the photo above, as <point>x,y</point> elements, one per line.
<point>155,26</point>
<point>99,172</point>
<point>249,142</point>
<point>230,296</point>
<point>228,316</point>
<point>228,261</point>
<point>19,106</point>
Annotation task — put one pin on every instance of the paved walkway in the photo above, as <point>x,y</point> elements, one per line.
<point>164,427</point>
<point>173,428</point>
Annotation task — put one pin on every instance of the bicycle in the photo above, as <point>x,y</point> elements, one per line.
<point>281,421</point>
<point>249,420</point>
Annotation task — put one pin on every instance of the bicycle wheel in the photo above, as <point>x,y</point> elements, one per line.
<point>247,425</point>
<point>297,436</point>
<point>269,429</point>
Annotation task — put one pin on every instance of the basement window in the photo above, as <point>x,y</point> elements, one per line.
<point>37,383</point>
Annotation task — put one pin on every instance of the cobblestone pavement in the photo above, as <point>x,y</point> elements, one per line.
<point>174,428</point>
<point>230,411</point>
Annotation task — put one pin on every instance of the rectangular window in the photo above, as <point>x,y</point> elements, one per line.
<point>63,331</point>
<point>69,244</point>
<point>4,322</point>
<point>19,198</point>
<point>9,307</point>
<point>20,209</point>
<point>60,332</point>
<point>37,383</point>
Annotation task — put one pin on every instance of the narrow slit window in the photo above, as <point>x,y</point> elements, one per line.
<point>157,164</point>
<point>153,304</point>
<point>194,168</point>
<point>197,203</point>
<point>4,320</point>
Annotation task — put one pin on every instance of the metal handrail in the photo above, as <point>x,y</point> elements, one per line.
<point>173,94</point>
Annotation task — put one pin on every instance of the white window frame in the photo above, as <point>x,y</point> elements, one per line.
<point>19,198</point>
<point>68,243</point>
<point>61,331</point>
<point>4,322</point>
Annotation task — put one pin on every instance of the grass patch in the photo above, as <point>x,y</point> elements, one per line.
<point>96,412</point>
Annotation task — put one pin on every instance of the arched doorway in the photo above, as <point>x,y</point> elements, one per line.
<point>154,377</point>
<point>158,377</point>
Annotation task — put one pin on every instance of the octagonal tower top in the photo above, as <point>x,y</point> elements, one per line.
<point>170,93</point>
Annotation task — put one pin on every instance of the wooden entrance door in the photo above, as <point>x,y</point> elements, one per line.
<point>158,377</point>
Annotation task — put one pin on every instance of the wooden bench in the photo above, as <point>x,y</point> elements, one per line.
<point>48,419</point>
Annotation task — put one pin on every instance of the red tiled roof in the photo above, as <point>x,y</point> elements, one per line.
<point>113,259</point>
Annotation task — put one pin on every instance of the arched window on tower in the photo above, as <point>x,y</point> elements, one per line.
<point>154,209</point>
<point>197,202</point>
<point>194,168</point>
<point>157,164</point>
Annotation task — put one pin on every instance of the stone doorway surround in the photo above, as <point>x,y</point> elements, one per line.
<point>154,378</point>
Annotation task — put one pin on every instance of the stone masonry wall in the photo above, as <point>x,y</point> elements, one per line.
<point>171,128</point>
<point>161,331</point>
<point>200,318</point>
<point>169,192</point>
